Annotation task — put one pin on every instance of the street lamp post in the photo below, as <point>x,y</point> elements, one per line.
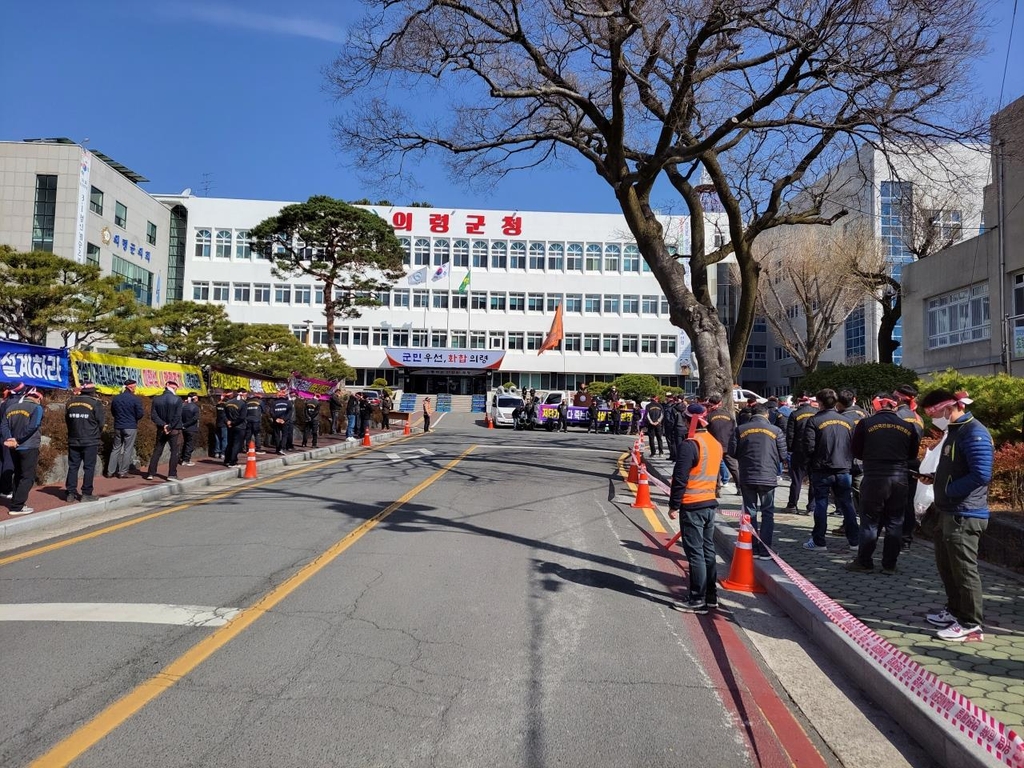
<point>309,332</point>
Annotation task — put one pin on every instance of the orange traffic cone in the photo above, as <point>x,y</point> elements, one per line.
<point>741,572</point>
<point>406,430</point>
<point>366,439</point>
<point>634,465</point>
<point>250,462</point>
<point>643,491</point>
<point>490,422</point>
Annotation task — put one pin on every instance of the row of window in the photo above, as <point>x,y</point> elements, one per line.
<point>518,341</point>
<point>493,301</point>
<point>959,317</point>
<point>476,254</point>
<point>120,213</point>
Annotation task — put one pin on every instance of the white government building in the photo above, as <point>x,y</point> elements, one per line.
<point>522,265</point>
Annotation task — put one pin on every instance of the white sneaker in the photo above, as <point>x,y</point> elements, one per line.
<point>22,511</point>
<point>809,544</point>
<point>941,619</point>
<point>350,439</point>
<point>954,633</point>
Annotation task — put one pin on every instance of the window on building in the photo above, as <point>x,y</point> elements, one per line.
<point>496,339</point>
<point>243,244</point>
<point>760,325</point>
<point>459,300</point>
<point>243,293</point>
<point>668,345</point>
<point>442,251</point>
<point>855,333</point>
<point>631,305</point>
<point>151,233</point>
<point>649,305</point>
<point>554,299</point>
<point>343,337</point>
<point>440,300</point>
<point>610,343</point>
<point>781,354</point>
<point>556,257</point>
<point>649,344</point>
<point>318,295</point>
<point>480,253</point>
<point>592,303</point>
<point>438,339</point>
<point>793,311</point>
<point>419,338</point>
<point>947,224</point>
<point>478,340</point>
<point>133,278</point>
<point>204,241</point>
<point>572,342</point>
<point>497,302</point>
<point>593,262</point>
<point>537,255</point>
<point>92,254</point>
<point>1017,343</point>
<point>460,253</point>
<point>631,259</point>
<point>223,248</point>
<point>120,214</point>
<point>420,298</point>
<point>381,337</point>
<point>400,337</point>
<point>574,257</point>
<point>663,306</point>
<point>200,291</point>
<point>282,294</point>
<point>421,252</point>
<point>517,302</point>
<point>400,298</point>
<point>459,340</point>
<point>406,250</point>
<point>517,256</point>
<point>574,302</point>
<point>303,294</point>
<point>261,293</point>
<point>96,201</point>
<point>756,357</point>
<point>534,340</point>
<point>535,302</point>
<point>959,317</point>
<point>499,255</point>
<point>591,342</point>
<point>611,305</point>
<point>516,340</point>
<point>630,343</point>
<point>360,337</point>
<point>221,292</point>
<point>478,300</point>
<point>612,254</point>
<point>45,213</point>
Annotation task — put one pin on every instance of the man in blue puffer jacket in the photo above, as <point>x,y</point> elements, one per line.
<point>961,496</point>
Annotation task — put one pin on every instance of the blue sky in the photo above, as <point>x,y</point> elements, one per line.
<point>232,88</point>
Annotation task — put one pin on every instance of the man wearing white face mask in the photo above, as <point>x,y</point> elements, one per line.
<point>961,496</point>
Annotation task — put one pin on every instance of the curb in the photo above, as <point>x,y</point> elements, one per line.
<point>12,527</point>
<point>944,742</point>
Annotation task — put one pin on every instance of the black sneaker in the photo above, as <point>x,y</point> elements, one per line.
<point>856,566</point>
<point>691,606</point>
<point>90,497</point>
<point>711,602</point>
<point>791,510</point>
<point>890,571</point>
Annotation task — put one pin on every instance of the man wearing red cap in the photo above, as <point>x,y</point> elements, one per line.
<point>961,496</point>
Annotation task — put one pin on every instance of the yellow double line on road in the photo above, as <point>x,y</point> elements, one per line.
<point>117,713</point>
<point>649,513</point>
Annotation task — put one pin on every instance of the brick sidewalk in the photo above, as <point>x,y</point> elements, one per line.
<point>51,496</point>
<point>990,672</point>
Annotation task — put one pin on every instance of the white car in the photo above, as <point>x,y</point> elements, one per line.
<point>503,403</point>
<point>743,395</point>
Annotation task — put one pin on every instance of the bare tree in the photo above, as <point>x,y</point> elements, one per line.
<point>811,284</point>
<point>761,95</point>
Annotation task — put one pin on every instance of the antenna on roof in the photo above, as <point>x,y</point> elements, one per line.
<point>207,185</point>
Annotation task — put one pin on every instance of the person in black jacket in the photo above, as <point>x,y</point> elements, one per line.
<point>234,419</point>
<point>12,394</point>
<point>758,447</point>
<point>189,427</point>
<point>906,396</point>
<point>847,406</point>
<point>828,445</point>
<point>281,411</point>
<point>21,434</point>
<point>795,426</point>
<point>887,444</point>
<point>722,426</point>
<point>220,427</point>
<point>254,411</point>
<point>311,421</point>
<point>165,411</point>
<point>84,416</point>
<point>352,414</point>
<point>592,411</point>
<point>653,424</point>
<point>127,410</point>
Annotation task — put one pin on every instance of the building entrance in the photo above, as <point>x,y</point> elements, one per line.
<point>434,384</point>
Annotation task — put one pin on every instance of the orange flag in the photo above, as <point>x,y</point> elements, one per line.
<point>555,334</point>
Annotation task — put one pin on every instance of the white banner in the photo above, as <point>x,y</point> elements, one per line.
<point>419,277</point>
<point>84,190</point>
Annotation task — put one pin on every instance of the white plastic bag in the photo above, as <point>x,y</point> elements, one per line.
<point>925,494</point>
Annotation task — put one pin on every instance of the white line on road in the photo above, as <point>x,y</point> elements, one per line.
<point>135,613</point>
<point>513,447</point>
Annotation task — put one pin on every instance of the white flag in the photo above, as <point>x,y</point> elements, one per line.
<point>441,272</point>
<point>419,277</point>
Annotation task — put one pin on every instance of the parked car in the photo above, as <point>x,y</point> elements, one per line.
<point>742,395</point>
<point>503,403</point>
<point>372,395</point>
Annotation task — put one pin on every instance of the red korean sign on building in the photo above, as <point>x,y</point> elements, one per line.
<point>463,224</point>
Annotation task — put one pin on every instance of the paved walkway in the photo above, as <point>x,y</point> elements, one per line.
<point>990,672</point>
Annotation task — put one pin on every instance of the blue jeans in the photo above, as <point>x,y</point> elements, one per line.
<point>723,474</point>
<point>698,528</point>
<point>220,439</point>
<point>760,498</point>
<point>840,484</point>
<point>351,431</point>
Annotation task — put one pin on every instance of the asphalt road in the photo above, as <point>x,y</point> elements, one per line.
<point>469,597</point>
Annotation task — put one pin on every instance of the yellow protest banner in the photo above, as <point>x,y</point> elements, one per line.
<point>109,372</point>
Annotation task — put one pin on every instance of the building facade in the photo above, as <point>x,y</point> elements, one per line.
<point>494,280</point>
<point>59,197</point>
<point>892,195</point>
<point>963,307</point>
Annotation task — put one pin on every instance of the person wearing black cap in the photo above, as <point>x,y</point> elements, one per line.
<point>795,427</point>
<point>254,411</point>
<point>693,498</point>
<point>165,411</point>
<point>19,431</point>
<point>127,410</point>
<point>310,421</point>
<point>828,445</point>
<point>189,427</point>
<point>281,411</point>
<point>234,420</point>
<point>12,394</point>
<point>84,416</point>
